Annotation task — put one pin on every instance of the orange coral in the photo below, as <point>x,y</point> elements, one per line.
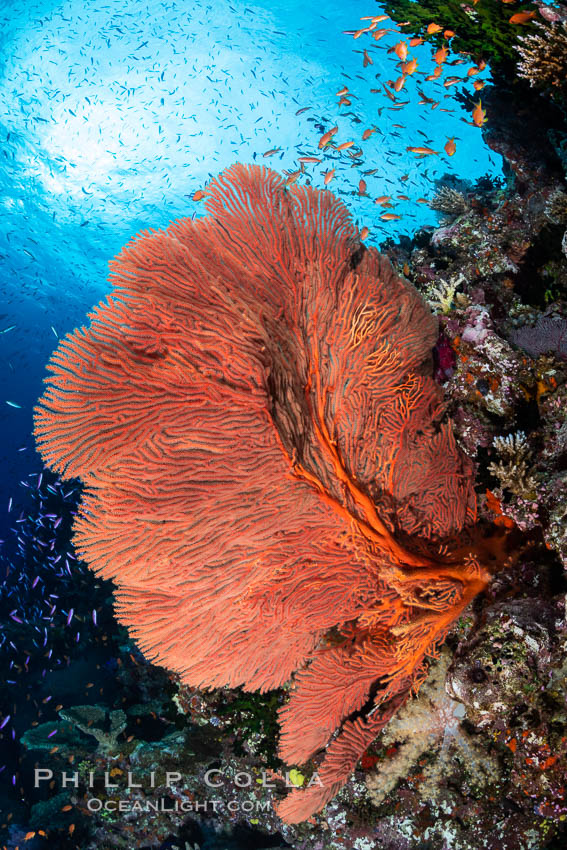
<point>267,479</point>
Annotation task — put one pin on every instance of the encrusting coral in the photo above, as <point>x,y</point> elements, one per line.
<point>267,477</point>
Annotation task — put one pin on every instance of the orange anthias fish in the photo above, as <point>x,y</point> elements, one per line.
<point>309,159</point>
<point>390,217</point>
<point>401,50</point>
<point>409,67</point>
<point>271,152</point>
<point>436,73</point>
<point>376,19</point>
<point>367,133</point>
<point>199,195</point>
<point>388,93</point>
<point>479,114</point>
<point>415,41</point>
<point>422,151</point>
<point>383,199</point>
<point>378,34</point>
<point>424,98</point>
<point>366,59</point>
<point>364,233</point>
<point>400,83</point>
<point>344,90</point>
<point>440,55</point>
<point>292,178</point>
<point>522,17</point>
<point>326,137</point>
<point>450,146</point>
<point>433,28</point>
<point>479,84</point>
<point>344,145</point>
<point>329,176</point>
<point>361,186</point>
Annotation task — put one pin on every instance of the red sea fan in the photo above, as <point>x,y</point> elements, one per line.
<point>267,479</point>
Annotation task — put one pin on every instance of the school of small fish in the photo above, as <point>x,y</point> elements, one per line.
<point>385,148</point>
<point>406,67</point>
<point>48,616</point>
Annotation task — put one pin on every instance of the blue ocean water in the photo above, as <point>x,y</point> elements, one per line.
<point>113,114</point>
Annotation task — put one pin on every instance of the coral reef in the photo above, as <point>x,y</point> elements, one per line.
<point>554,475</point>
<point>489,274</point>
<point>509,684</point>
<point>556,207</point>
<point>251,415</point>
<point>504,708</point>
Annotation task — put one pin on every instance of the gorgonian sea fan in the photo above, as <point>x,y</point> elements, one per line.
<point>267,479</point>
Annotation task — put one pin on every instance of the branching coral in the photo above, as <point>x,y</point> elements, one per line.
<point>544,57</point>
<point>514,471</point>
<point>519,480</point>
<point>267,478</point>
